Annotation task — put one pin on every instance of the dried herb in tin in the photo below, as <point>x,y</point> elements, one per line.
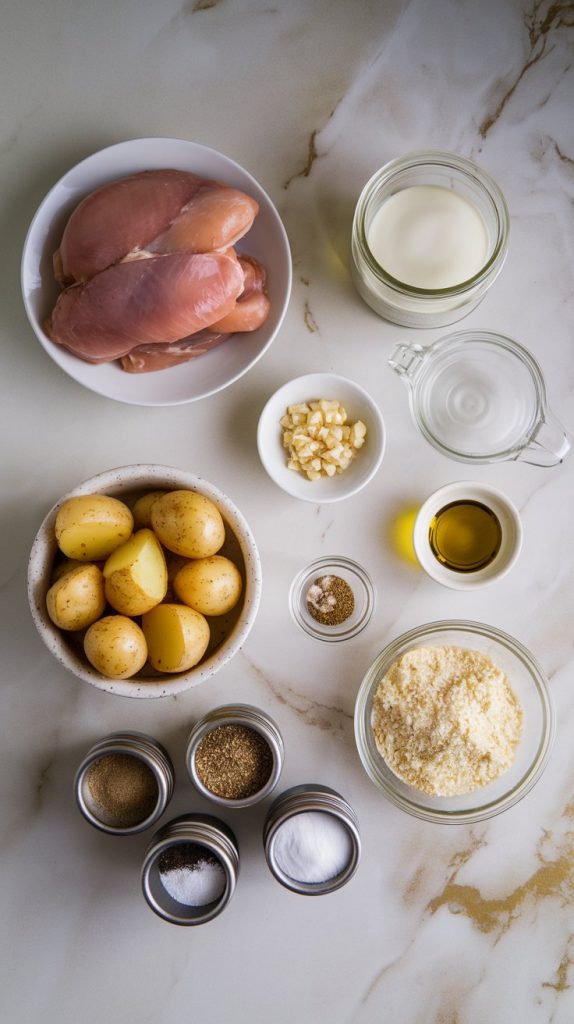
<point>330,600</point>
<point>233,761</point>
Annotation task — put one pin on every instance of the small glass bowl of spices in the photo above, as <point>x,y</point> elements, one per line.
<point>235,755</point>
<point>124,783</point>
<point>190,869</point>
<point>311,840</point>
<point>332,598</point>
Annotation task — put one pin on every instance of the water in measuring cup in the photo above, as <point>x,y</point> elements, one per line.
<point>476,402</point>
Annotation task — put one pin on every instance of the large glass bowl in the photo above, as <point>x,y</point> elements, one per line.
<point>528,683</point>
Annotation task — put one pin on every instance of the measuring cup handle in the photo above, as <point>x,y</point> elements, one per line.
<point>549,444</point>
<point>406,359</point>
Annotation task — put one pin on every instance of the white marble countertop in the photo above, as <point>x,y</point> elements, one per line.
<point>441,924</point>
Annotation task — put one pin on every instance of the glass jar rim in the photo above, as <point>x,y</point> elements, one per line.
<point>439,158</point>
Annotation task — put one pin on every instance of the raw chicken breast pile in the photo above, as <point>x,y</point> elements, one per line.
<point>149,273</point>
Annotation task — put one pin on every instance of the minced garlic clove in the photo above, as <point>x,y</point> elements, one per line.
<point>319,440</point>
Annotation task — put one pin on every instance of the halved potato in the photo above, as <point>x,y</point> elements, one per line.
<point>135,574</point>
<point>91,526</point>
<point>210,585</point>
<point>77,598</point>
<point>188,524</point>
<point>142,509</point>
<point>176,636</point>
<point>116,647</point>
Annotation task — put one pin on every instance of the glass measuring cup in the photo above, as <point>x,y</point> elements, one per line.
<point>478,396</point>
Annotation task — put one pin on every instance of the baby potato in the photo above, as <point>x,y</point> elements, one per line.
<point>65,566</point>
<point>176,636</point>
<point>116,647</point>
<point>210,585</point>
<point>142,509</point>
<point>136,574</point>
<point>76,598</point>
<point>188,524</point>
<point>89,527</point>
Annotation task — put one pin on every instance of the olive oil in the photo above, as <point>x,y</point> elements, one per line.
<point>465,536</point>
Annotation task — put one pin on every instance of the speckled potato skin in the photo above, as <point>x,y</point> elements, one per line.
<point>76,599</point>
<point>188,524</point>
<point>210,585</point>
<point>91,526</point>
<point>176,636</point>
<point>116,647</point>
<point>142,509</point>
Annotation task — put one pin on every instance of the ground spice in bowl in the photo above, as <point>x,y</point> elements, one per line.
<point>233,762</point>
<point>330,600</point>
<point>124,789</point>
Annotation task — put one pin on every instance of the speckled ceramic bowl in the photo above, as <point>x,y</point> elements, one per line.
<point>228,632</point>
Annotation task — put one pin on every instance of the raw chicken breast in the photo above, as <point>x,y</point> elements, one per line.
<point>156,299</point>
<point>119,217</point>
<point>250,311</point>
<point>160,211</point>
<point>147,358</point>
<point>252,307</point>
<point>215,218</point>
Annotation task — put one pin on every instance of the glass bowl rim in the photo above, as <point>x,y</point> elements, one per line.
<point>471,814</point>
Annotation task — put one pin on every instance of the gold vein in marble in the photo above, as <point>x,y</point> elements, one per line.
<point>311,157</point>
<point>553,879</point>
<point>562,983</point>
<point>563,156</point>
<point>310,322</point>
<point>312,711</point>
<point>539,25</point>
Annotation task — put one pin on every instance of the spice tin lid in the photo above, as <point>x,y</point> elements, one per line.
<point>349,614</point>
<point>204,846</point>
<point>344,844</point>
<point>235,755</point>
<point>124,783</point>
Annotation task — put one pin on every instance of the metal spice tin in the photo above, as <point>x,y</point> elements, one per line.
<point>203,830</point>
<point>133,744</point>
<point>311,797</point>
<point>237,714</point>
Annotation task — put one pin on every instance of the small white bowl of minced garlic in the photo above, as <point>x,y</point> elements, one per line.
<point>321,437</point>
<point>454,722</point>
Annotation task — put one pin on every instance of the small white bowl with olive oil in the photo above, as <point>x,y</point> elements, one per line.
<point>467,535</point>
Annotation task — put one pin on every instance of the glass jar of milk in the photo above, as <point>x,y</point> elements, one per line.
<point>430,235</point>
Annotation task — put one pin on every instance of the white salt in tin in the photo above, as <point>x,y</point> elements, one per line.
<point>198,830</point>
<point>300,800</point>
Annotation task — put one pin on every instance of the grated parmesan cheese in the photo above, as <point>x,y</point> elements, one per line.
<point>446,720</point>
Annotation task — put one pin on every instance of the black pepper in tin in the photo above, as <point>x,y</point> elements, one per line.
<point>233,761</point>
<point>235,755</point>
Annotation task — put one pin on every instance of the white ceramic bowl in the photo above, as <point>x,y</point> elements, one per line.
<point>359,405</point>
<point>510,524</point>
<point>229,632</point>
<point>266,241</point>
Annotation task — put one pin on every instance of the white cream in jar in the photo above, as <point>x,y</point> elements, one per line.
<point>428,237</point>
